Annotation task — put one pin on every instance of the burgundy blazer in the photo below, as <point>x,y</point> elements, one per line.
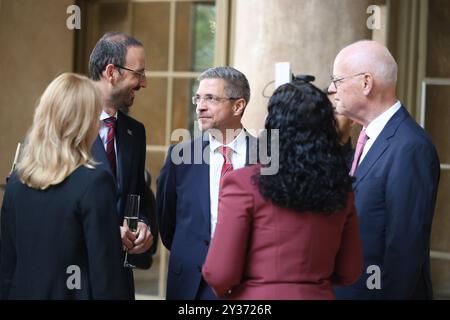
<point>262,251</point>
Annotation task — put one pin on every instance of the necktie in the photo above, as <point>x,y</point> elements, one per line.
<point>227,164</point>
<point>110,123</point>
<point>362,139</point>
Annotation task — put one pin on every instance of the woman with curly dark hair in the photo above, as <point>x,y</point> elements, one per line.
<point>292,235</point>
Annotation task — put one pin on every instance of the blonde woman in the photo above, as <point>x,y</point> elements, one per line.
<point>59,230</point>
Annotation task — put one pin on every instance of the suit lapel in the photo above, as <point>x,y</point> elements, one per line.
<point>204,182</point>
<point>124,140</point>
<point>99,154</point>
<point>380,145</point>
<point>372,156</point>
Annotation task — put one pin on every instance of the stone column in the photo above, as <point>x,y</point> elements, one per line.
<point>307,33</point>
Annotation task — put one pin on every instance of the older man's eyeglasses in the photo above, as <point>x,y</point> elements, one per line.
<point>209,98</point>
<point>139,73</point>
<point>336,81</point>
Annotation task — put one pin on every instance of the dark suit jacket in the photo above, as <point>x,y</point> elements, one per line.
<point>131,151</point>
<point>262,251</point>
<point>183,208</point>
<point>395,187</point>
<point>45,232</point>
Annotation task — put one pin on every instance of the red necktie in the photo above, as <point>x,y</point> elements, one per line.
<point>110,123</point>
<point>359,149</point>
<point>227,164</point>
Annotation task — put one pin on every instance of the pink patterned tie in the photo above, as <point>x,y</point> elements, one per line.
<point>227,164</point>
<point>359,149</point>
<point>110,123</point>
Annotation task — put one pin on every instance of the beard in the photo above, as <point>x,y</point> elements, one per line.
<point>127,100</point>
<point>124,100</point>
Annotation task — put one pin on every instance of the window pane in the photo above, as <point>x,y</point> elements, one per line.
<point>183,110</point>
<point>195,35</point>
<point>153,163</point>
<point>438,119</point>
<point>150,109</point>
<point>438,40</point>
<point>113,17</point>
<point>440,239</point>
<point>183,37</point>
<point>151,27</point>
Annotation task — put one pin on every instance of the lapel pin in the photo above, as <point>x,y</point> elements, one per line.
<point>130,132</point>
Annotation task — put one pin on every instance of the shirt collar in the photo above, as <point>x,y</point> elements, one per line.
<point>235,145</point>
<point>104,115</point>
<point>377,125</point>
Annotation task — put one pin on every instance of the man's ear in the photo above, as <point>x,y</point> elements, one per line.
<point>239,107</point>
<point>367,83</point>
<point>110,73</point>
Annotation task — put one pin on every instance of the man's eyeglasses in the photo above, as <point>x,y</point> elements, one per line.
<point>338,80</point>
<point>209,98</point>
<point>140,74</point>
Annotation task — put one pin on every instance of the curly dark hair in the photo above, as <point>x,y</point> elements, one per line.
<point>313,174</point>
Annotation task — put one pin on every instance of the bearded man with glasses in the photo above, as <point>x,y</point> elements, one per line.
<point>117,66</point>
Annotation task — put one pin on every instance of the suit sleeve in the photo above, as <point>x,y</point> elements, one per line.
<point>166,200</point>
<point>150,201</point>
<point>226,257</point>
<point>8,249</point>
<point>99,219</point>
<point>141,188</point>
<point>410,199</point>
<point>147,212</point>
<point>349,260</point>
<point>145,260</point>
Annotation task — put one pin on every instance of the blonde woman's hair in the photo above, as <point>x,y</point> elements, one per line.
<point>64,127</point>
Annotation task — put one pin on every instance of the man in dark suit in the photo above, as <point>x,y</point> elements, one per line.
<point>188,185</point>
<point>396,170</point>
<point>117,65</point>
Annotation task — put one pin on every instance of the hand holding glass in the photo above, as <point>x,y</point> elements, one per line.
<point>131,216</point>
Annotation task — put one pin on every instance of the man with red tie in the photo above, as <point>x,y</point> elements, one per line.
<point>396,170</point>
<point>188,192</point>
<point>117,66</point>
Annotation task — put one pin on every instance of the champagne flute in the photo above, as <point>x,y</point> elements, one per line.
<point>131,216</point>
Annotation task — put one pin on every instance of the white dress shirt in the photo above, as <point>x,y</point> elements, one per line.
<point>374,128</point>
<point>238,157</point>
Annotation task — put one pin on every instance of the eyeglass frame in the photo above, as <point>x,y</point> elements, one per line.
<point>141,74</point>
<point>212,99</point>
<point>335,81</point>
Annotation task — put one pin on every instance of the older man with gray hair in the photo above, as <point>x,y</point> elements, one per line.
<point>396,170</point>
